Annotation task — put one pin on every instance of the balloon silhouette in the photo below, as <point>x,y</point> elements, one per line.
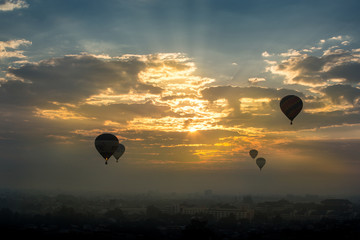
<point>106,144</point>
<point>260,162</point>
<point>253,153</point>
<point>119,152</point>
<point>291,106</point>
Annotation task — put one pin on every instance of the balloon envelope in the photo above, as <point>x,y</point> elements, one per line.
<point>253,153</point>
<point>291,106</point>
<point>260,162</point>
<point>119,151</point>
<point>106,144</point>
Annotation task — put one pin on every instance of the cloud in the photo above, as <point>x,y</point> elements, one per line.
<point>161,92</point>
<point>100,80</point>
<point>61,113</point>
<point>125,112</point>
<point>236,93</point>
<point>10,5</point>
<point>339,92</point>
<point>250,106</point>
<point>71,79</point>
<point>349,71</point>
<point>100,56</point>
<point>157,91</point>
<point>335,64</point>
<point>290,53</point>
<point>256,80</point>
<point>8,48</point>
<point>79,96</point>
<point>338,38</point>
<point>258,107</point>
<point>266,54</point>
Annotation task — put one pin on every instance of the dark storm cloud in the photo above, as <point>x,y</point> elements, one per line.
<point>71,79</point>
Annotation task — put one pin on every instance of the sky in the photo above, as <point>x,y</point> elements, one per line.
<point>189,87</point>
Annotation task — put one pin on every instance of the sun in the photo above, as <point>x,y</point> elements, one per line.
<point>192,130</point>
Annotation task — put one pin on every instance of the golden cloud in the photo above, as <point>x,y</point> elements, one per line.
<point>61,113</point>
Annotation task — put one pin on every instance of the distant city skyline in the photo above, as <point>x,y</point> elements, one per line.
<point>24,213</point>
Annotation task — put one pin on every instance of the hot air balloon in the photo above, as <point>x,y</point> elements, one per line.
<point>291,106</point>
<point>260,162</point>
<point>119,152</point>
<point>253,153</point>
<point>106,144</point>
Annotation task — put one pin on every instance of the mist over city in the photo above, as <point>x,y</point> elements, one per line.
<point>197,215</point>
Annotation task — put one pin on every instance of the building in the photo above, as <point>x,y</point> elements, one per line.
<point>239,214</point>
<point>217,213</point>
